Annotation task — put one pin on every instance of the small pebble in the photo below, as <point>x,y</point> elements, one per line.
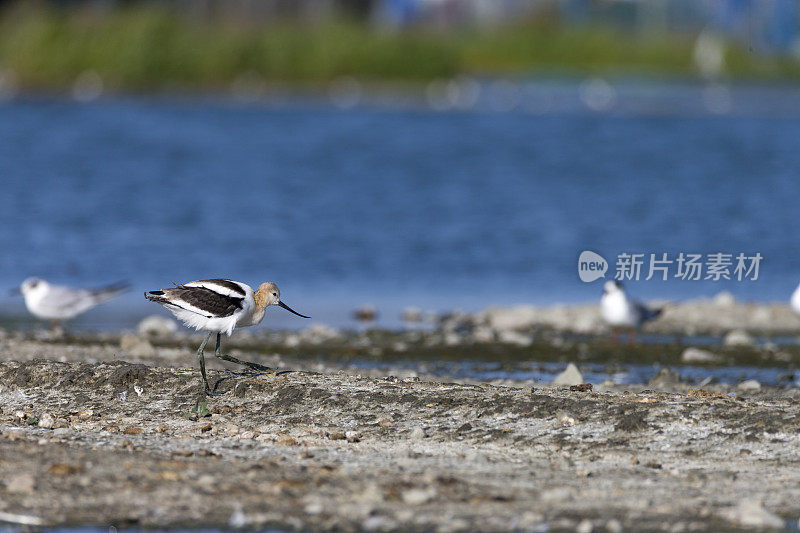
<point>157,326</point>
<point>749,385</point>
<point>417,433</point>
<point>418,496</point>
<point>570,376</point>
<point>46,421</point>
<point>696,355</point>
<point>21,484</point>
<point>565,419</point>
<point>738,337</point>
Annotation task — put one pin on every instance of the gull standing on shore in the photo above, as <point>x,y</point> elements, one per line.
<point>58,302</point>
<point>794,302</point>
<point>620,311</point>
<point>219,306</point>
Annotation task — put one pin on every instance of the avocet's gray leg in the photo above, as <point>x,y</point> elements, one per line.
<point>201,358</point>
<point>230,358</point>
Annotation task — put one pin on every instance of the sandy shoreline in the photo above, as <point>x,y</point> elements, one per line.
<point>330,447</point>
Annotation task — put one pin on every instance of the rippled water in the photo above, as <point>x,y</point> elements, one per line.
<point>545,372</point>
<point>394,206</point>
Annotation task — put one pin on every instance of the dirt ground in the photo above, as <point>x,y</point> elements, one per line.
<point>110,442</point>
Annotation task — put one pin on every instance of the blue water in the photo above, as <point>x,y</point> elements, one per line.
<point>596,373</point>
<point>392,205</point>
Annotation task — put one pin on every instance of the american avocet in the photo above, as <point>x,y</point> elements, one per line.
<point>619,310</point>
<point>218,306</point>
<point>57,302</point>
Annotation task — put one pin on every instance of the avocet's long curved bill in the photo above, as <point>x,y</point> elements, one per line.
<point>291,310</point>
<point>15,292</point>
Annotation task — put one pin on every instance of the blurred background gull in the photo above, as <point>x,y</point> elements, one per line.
<point>434,154</point>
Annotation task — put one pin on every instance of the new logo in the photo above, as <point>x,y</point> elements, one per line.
<point>591,266</point>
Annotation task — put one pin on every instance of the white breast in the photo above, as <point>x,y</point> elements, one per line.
<point>795,300</point>
<point>617,310</point>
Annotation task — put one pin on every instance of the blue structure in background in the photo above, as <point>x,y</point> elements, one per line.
<point>782,31</point>
<point>765,25</point>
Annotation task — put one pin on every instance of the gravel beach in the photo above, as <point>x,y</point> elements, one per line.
<point>90,435</point>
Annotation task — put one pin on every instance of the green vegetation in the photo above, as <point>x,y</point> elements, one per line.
<point>144,48</point>
<point>199,411</point>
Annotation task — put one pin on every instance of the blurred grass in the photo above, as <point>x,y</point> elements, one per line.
<point>142,48</point>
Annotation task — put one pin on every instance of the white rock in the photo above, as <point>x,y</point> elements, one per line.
<point>417,433</point>
<point>585,526</point>
<point>46,421</point>
<point>143,349</point>
<point>157,326</point>
<point>318,334</point>
<point>483,334</point>
<point>587,322</point>
<point>136,346</point>
<point>751,513</point>
<point>665,378</point>
<point>750,384</point>
<point>570,376</point>
<point>514,318</point>
<point>292,341</point>
<point>452,339</point>
<point>418,496</point>
<point>238,519</point>
<point>514,337</point>
<point>565,419</point>
<point>21,484</point>
<point>696,355</point>
<point>378,522</point>
<point>559,494</point>
<point>738,337</point>
<point>314,508</point>
<point>724,299</point>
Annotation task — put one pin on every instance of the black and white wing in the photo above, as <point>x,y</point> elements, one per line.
<point>209,298</point>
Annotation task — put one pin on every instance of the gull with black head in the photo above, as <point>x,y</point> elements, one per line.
<point>621,311</point>
<point>219,306</point>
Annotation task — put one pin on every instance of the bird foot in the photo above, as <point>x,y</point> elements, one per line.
<point>213,392</point>
<point>259,368</point>
<point>248,364</point>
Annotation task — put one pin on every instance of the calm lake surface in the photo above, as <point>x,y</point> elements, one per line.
<point>396,205</point>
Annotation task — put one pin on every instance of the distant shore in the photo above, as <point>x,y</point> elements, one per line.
<point>717,332</point>
<point>147,48</point>
<point>716,316</point>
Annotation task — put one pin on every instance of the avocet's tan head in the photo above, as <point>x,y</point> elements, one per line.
<point>269,294</point>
